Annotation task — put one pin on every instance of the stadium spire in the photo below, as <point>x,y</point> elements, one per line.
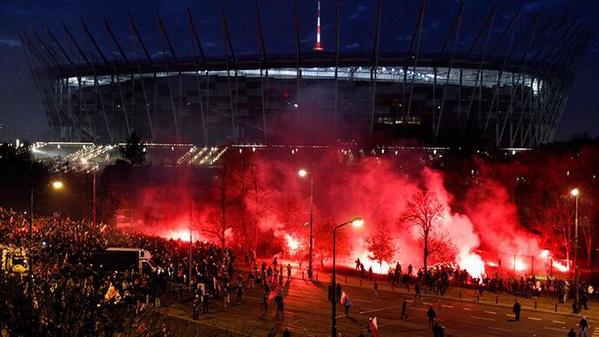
<point>318,47</point>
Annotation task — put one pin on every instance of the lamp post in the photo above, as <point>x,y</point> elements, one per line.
<point>576,194</point>
<point>302,173</point>
<point>56,185</point>
<point>356,223</point>
<point>190,241</point>
<point>94,199</point>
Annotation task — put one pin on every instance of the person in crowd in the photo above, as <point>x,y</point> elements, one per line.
<point>286,332</point>
<point>226,296</point>
<point>346,304</point>
<point>331,292</point>
<point>517,309</point>
<point>418,291</point>
<point>404,309</point>
<point>583,323</point>
<point>206,302</point>
<point>265,303</point>
<point>438,330</point>
<point>197,303</point>
<point>239,292</point>
<point>251,282</point>
<point>279,304</point>
<point>432,316</point>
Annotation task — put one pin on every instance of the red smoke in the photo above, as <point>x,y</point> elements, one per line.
<point>265,197</point>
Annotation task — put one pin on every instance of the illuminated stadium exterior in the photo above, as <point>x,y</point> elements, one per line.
<point>506,89</point>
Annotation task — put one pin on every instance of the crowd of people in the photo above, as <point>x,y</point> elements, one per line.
<point>65,295</point>
<point>439,278</point>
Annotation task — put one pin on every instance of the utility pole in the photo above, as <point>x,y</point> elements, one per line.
<point>576,194</point>
<point>310,270</point>
<point>190,243</point>
<point>94,199</point>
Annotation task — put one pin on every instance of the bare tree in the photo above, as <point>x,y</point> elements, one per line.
<point>323,247</point>
<point>560,215</point>
<point>425,211</point>
<point>261,200</point>
<point>381,247</point>
<point>587,205</point>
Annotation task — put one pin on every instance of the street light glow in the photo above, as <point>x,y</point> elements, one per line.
<point>302,173</point>
<point>357,222</point>
<point>575,192</point>
<point>57,185</point>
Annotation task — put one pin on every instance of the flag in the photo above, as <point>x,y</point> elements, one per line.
<point>112,293</point>
<point>373,326</point>
<point>343,297</point>
<point>271,296</point>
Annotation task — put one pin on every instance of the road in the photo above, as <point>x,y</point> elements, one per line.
<point>307,313</point>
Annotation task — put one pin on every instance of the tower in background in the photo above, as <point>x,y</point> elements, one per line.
<point>318,47</point>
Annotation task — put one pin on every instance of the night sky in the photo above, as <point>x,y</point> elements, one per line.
<point>22,115</point>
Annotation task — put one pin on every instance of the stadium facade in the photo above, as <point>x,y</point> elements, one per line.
<point>505,89</point>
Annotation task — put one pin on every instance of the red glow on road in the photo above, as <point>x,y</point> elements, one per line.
<point>560,266</point>
<point>472,263</point>
<point>544,254</point>
<point>180,234</point>
<point>292,243</point>
<point>519,265</point>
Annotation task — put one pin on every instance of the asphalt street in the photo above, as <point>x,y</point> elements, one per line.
<point>307,313</point>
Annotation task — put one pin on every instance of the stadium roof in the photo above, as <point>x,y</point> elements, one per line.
<point>281,35</point>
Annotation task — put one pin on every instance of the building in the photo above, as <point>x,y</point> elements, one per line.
<point>506,87</point>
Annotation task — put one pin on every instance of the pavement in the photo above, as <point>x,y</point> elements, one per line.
<point>307,313</point>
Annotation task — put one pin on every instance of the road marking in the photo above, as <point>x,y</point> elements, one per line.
<point>297,330</point>
<point>426,303</point>
<point>483,318</point>
<point>555,329</point>
<point>559,322</point>
<point>500,329</point>
<point>467,309</point>
<point>510,315</point>
<point>377,310</point>
<point>447,306</point>
<point>490,312</point>
<point>359,300</point>
<point>535,318</point>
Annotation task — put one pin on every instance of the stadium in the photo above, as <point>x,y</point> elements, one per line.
<point>501,85</point>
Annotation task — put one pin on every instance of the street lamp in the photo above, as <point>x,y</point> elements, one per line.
<point>303,173</point>
<point>356,223</point>
<point>576,194</point>
<point>57,184</point>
